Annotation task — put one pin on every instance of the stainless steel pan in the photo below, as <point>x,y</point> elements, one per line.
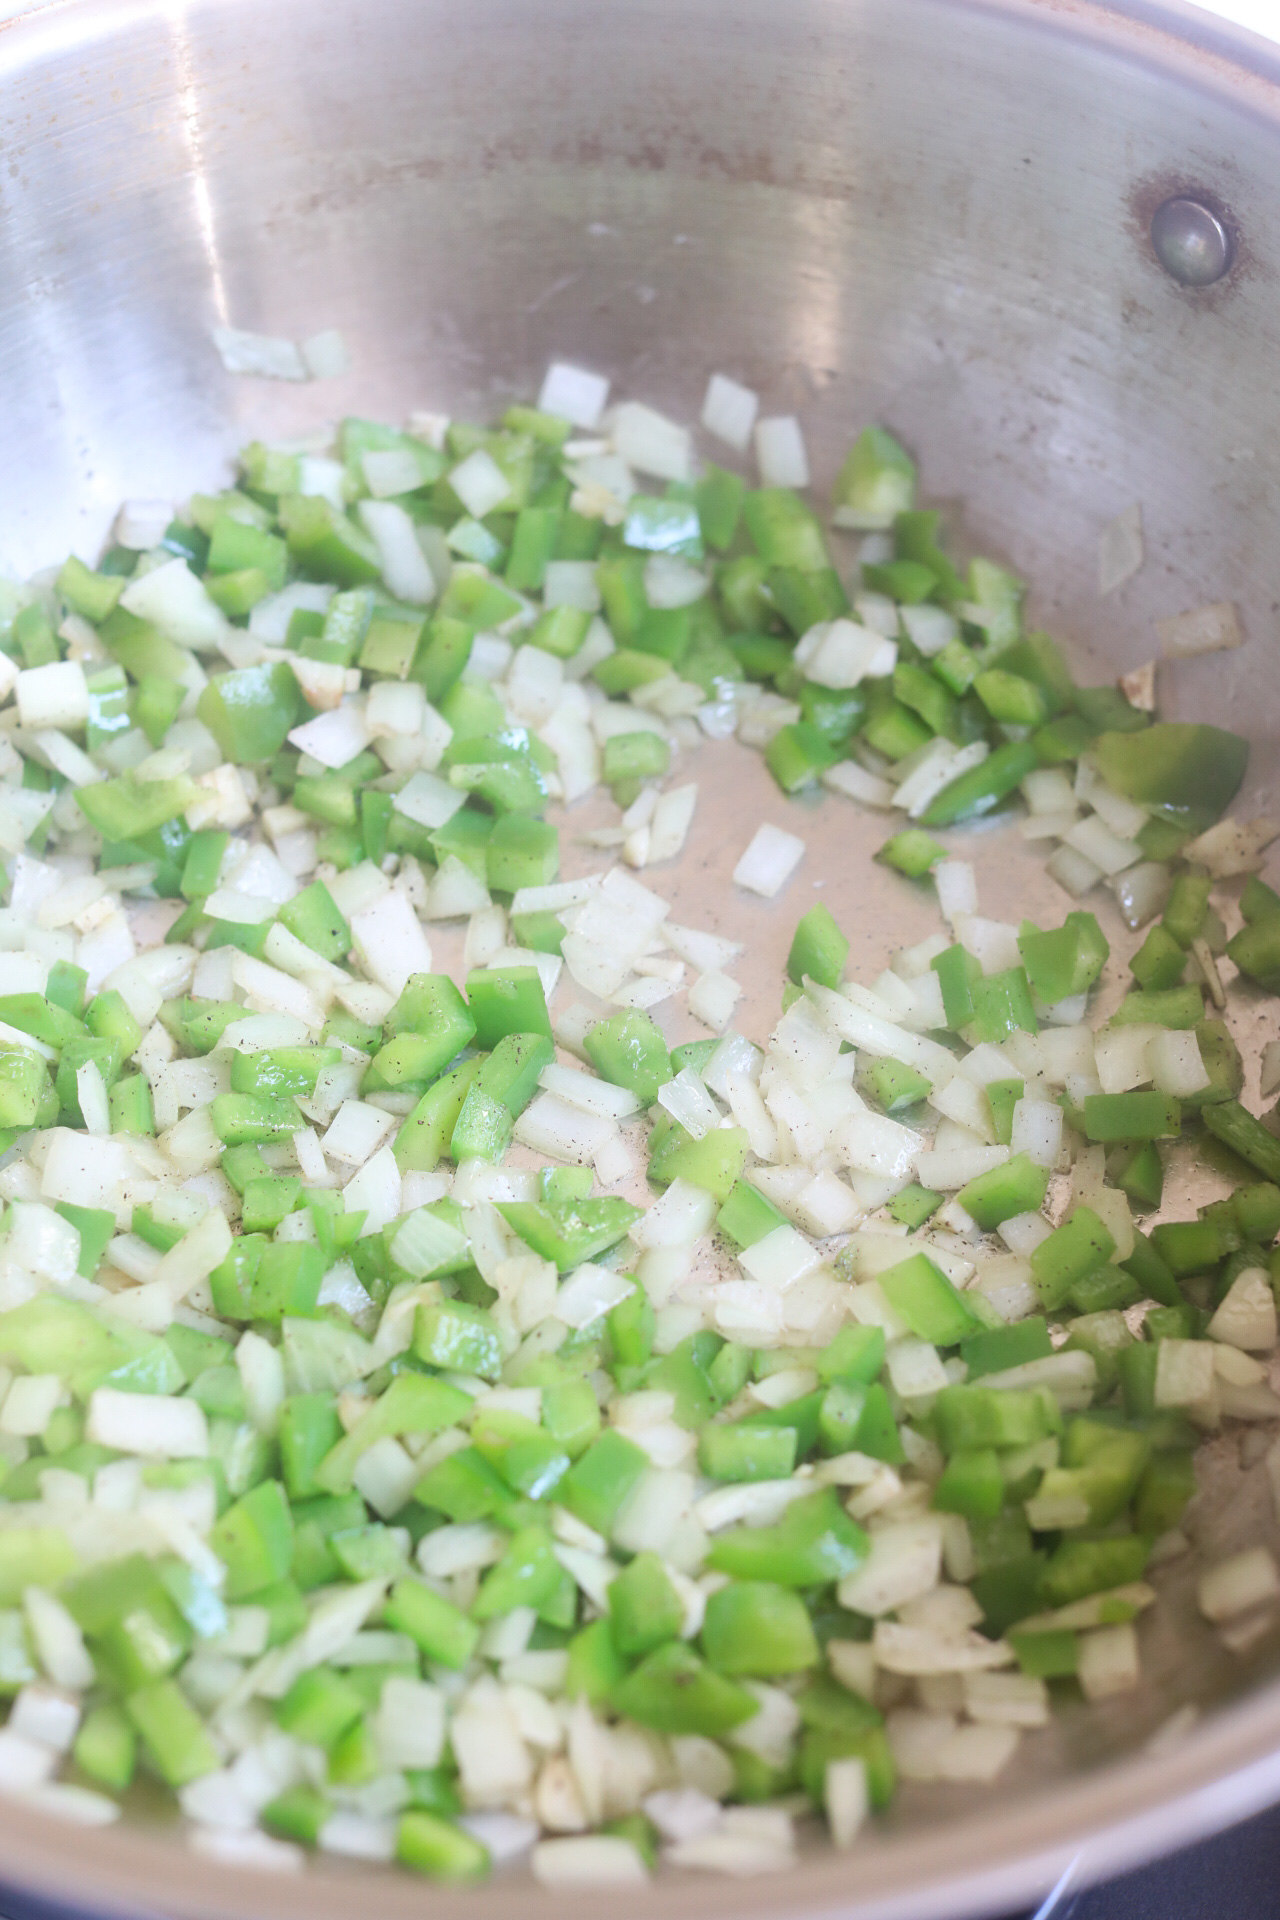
<point>932,212</point>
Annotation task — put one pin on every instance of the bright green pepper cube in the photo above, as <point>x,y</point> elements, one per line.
<point>249,711</point>
<point>23,1080</point>
<point>1256,951</point>
<point>108,1016</point>
<point>799,754</point>
<point>1189,1246</point>
<point>970,1418</point>
<point>632,1324</point>
<point>1002,1097</point>
<point>971,1484</point>
<point>1002,1005</point>
<point>914,1205</point>
<point>106,1747</point>
<point>312,916</point>
<point>643,755</point>
<point>1159,962</point>
<point>297,1814</point>
<point>1142,1115</point>
<point>957,972</point>
<point>876,483</point>
<point>319,1707</point>
<point>1078,1568</point>
<point>92,595</point>
<point>571,1232</point>
<point>523,1452</point>
<point>644,1608</point>
<point>426,1135</point>
<point>105,1054</point>
<point>268,1200</point>
<point>527,1575</point>
<point>413,1403</point>
<point>1051,1655</point>
<point>285,1281</point>
<point>506,1000</point>
<point>746,1216</point>
<point>539,932</point>
<point>521,852</point>
<point>571,1415</point>
<point>897,1086</point>
<point>462,1339</point>
<point>597,1486</point>
<point>977,792</point>
<point>96,1226</point>
<point>912,852</point>
<point>440,1629</point>
<point>923,1296</point>
<point>325,544</point>
<point>254,1539</point>
<point>482,1130</point>
<point>740,1452</point>
<point>996,1349</point>
<point>511,1072</point>
<point>1065,961</point>
<point>813,1544</point>
<point>1105,1288</point>
<point>245,1119</point>
<point>714,1163</point>
<point>432,1007</point>
<point>65,987</point>
<point>353,1760</point>
<point>784,531</point>
<point>753,1628</point>
<point>818,949</point>
<point>1069,1252</point>
<point>956,666</point>
<point>856,1354</point>
<point>1011,700</point>
<point>857,1418</point>
<point>595,1665</point>
<point>1257,1209</point>
<point>1019,1186</point>
<point>1177,1007</point>
<point>230,1282</point>
<point>628,1050</point>
<point>130,1108</point>
<point>673,1692</point>
<point>439,1849</point>
<point>309,1428</point>
<point>172,1732</point>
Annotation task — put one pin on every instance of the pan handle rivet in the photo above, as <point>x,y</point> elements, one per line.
<point>1191,242</point>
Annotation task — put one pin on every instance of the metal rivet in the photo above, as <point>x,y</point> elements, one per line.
<point>1191,242</point>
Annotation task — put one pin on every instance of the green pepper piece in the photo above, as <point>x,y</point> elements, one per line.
<point>755,1628</point>
<point>172,1733</point>
<point>674,1692</point>
<point>1019,1186</point>
<point>814,1543</point>
<point>925,1299</point>
<point>628,1050</point>
<point>442,1630</point>
<point>249,711</point>
<point>1078,1246</point>
<point>1141,1115</point>
<point>982,788</point>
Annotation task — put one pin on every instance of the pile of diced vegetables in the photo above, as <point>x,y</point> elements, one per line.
<point>380,1495</point>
